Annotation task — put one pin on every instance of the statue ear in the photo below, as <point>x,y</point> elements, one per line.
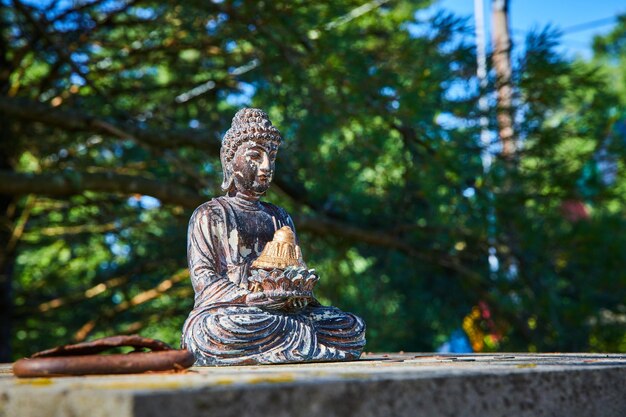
<point>228,183</point>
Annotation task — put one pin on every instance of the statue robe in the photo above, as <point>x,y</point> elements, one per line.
<point>225,236</point>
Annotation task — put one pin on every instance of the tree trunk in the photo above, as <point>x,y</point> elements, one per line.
<point>6,253</point>
<point>6,202</point>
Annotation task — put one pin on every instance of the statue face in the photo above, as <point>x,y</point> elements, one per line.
<point>253,167</point>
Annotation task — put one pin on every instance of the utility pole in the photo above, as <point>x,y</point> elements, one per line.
<point>485,139</point>
<point>504,110</point>
<point>502,65</point>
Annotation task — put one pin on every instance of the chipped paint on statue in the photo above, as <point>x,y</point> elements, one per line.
<point>254,301</point>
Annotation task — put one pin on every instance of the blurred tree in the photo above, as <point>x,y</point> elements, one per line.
<point>560,268</point>
<point>112,113</point>
<point>610,52</point>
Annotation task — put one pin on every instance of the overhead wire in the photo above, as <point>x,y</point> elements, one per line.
<point>579,27</point>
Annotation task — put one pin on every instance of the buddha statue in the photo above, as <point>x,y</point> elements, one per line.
<point>254,301</point>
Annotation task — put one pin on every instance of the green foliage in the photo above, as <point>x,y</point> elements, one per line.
<point>380,118</point>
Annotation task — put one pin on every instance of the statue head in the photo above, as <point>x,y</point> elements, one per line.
<point>248,153</point>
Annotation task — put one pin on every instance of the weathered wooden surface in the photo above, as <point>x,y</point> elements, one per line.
<point>393,385</point>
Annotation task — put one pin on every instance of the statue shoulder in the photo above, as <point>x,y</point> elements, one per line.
<point>212,209</point>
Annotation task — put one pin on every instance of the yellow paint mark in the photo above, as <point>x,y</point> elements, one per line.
<point>274,379</point>
<point>140,385</point>
<point>224,381</point>
<point>35,381</point>
<point>355,375</point>
<point>527,365</point>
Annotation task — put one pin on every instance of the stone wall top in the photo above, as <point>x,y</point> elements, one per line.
<point>404,384</point>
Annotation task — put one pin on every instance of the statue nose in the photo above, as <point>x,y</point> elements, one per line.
<point>265,163</point>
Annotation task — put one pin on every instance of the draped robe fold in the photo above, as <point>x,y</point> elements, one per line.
<point>225,236</point>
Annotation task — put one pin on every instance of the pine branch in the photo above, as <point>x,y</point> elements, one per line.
<point>62,184</point>
<point>84,295</point>
<point>75,120</point>
<point>321,225</point>
<point>138,299</point>
<point>70,183</point>
<point>41,27</point>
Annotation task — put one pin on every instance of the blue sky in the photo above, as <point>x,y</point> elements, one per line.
<point>528,14</point>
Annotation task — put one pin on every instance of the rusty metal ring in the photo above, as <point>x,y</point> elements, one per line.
<point>78,359</point>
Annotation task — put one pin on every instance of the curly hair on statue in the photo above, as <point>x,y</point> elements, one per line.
<point>248,124</point>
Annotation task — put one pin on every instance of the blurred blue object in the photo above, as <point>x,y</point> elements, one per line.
<point>458,343</point>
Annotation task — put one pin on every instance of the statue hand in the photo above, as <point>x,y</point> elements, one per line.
<point>298,303</point>
<point>287,302</point>
<point>286,290</point>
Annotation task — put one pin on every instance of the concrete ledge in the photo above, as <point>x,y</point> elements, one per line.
<point>377,385</point>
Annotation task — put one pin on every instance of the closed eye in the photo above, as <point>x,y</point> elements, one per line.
<point>254,155</point>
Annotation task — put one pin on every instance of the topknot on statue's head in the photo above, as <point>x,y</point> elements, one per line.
<point>248,124</point>
<point>251,117</point>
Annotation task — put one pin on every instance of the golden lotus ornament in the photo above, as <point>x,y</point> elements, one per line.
<point>279,275</point>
